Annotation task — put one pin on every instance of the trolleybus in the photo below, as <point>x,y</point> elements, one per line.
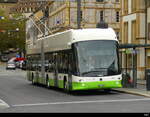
<point>76,59</point>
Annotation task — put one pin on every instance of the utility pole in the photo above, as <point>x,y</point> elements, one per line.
<point>79,14</point>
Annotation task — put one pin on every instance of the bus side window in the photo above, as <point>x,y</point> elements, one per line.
<point>58,62</point>
<point>63,63</point>
<point>50,62</point>
<point>70,63</point>
<point>53,63</point>
<point>66,63</point>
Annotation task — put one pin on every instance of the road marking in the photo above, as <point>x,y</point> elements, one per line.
<point>81,102</point>
<point>3,104</point>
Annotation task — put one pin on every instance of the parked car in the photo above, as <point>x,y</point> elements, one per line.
<point>4,58</point>
<point>11,65</point>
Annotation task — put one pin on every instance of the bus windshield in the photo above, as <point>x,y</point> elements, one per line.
<point>97,58</point>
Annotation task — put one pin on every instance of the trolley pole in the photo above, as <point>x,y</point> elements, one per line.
<point>42,59</point>
<point>134,68</point>
<point>79,14</point>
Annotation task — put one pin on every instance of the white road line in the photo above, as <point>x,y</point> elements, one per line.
<point>3,104</point>
<point>81,102</point>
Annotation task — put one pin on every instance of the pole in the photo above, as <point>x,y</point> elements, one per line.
<point>145,36</point>
<point>79,14</point>
<point>43,54</point>
<point>134,68</point>
<point>42,59</point>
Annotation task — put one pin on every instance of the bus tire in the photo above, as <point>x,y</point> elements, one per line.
<point>33,79</point>
<point>107,90</point>
<point>47,82</point>
<point>65,85</point>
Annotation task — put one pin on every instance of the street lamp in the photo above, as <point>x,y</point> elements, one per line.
<point>1,17</point>
<point>17,29</point>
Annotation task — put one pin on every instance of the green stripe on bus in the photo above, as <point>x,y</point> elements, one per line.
<point>87,85</point>
<point>96,85</point>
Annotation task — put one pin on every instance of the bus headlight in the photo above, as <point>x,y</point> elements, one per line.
<point>83,85</point>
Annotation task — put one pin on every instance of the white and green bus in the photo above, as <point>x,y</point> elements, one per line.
<point>81,59</point>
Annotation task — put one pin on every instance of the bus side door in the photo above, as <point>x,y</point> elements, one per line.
<point>55,70</point>
<point>70,63</point>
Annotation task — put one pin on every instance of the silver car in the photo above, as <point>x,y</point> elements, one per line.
<point>11,65</point>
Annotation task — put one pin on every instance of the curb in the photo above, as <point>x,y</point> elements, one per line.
<point>132,92</point>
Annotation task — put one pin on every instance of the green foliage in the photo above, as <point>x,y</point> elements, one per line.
<point>9,36</point>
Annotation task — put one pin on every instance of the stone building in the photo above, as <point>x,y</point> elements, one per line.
<point>63,15</point>
<point>6,5</point>
<point>27,7</point>
<point>133,22</point>
<point>148,31</point>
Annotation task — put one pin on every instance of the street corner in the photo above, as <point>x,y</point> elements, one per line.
<point>3,105</point>
<point>133,91</point>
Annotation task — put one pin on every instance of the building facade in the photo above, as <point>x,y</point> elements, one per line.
<point>133,22</point>
<point>63,15</point>
<point>6,5</point>
<point>27,7</point>
<point>148,31</point>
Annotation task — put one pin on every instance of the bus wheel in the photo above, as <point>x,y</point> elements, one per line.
<point>33,79</point>
<point>107,90</point>
<point>47,82</point>
<point>65,86</point>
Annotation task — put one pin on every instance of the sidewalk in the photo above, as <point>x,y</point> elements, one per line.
<point>140,90</point>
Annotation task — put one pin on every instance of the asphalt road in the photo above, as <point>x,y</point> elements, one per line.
<point>19,95</point>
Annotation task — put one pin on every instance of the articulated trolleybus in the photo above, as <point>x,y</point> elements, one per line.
<point>82,59</point>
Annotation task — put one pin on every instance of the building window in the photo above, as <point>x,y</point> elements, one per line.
<point>148,3</point>
<point>117,16</point>
<point>117,1</point>
<point>125,6</point>
<point>101,15</point>
<point>149,31</point>
<point>81,15</point>
<point>125,33</point>
<point>134,5</point>
<point>134,32</point>
<point>99,0</point>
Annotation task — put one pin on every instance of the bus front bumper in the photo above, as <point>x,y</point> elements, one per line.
<point>96,85</point>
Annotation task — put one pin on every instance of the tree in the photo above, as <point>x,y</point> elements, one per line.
<point>12,32</point>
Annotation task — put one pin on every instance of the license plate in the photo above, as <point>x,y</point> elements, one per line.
<point>101,85</point>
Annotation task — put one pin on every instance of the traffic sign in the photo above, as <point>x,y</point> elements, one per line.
<point>18,56</point>
<point>1,17</point>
